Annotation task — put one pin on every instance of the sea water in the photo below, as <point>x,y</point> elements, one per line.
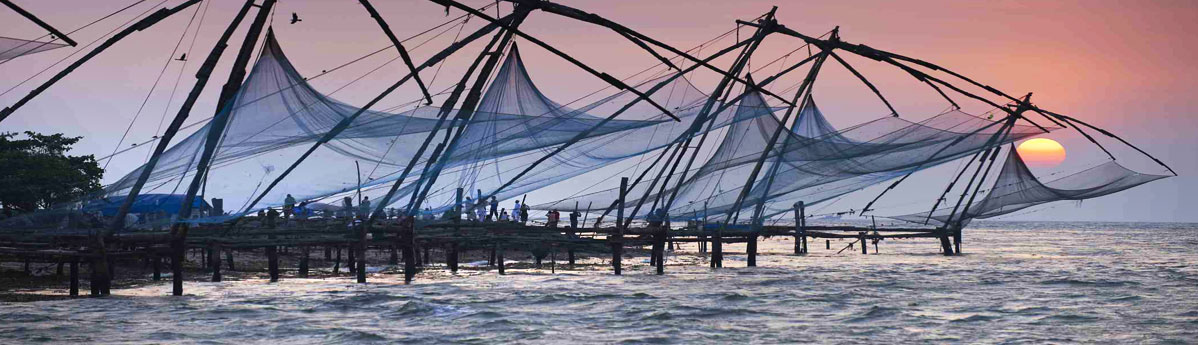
<point>1047,282</point>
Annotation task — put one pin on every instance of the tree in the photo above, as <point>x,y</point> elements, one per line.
<point>36,173</point>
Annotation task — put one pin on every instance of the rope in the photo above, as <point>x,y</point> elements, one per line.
<point>153,87</point>
<point>68,33</point>
<point>114,30</point>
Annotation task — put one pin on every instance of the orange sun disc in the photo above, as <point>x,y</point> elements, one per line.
<point>1041,152</point>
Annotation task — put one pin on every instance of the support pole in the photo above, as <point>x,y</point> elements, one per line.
<point>499,258</point>
<point>40,23</point>
<point>617,240</point>
<point>142,24</point>
<point>659,244</point>
<point>451,254</point>
<point>861,238</point>
<point>216,277</point>
<point>751,250</point>
<point>303,264</point>
<point>74,290</point>
<point>156,262</point>
<point>408,238</point>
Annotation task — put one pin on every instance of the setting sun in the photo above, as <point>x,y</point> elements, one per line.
<point>1042,152</point>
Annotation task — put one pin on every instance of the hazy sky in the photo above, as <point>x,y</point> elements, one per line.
<point>1123,65</point>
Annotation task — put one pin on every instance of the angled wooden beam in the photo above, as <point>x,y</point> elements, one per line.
<point>866,81</point>
<point>611,117</point>
<point>39,22</point>
<point>746,55</point>
<point>346,122</point>
<point>446,108</point>
<point>804,92</point>
<point>613,81</point>
<point>202,77</point>
<point>469,105</point>
<point>925,162</point>
<point>403,53</point>
<point>592,18</point>
<point>224,108</point>
<point>1112,135</point>
<point>142,24</point>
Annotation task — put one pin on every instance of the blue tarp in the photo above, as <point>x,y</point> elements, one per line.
<point>146,203</point>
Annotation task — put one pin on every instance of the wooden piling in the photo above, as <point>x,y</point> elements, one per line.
<point>229,258</point>
<point>659,250</point>
<point>178,250</point>
<point>394,260</point>
<point>451,253</point>
<point>499,258</point>
<point>861,238</point>
<point>215,253</point>
<point>800,228</point>
<point>408,239</point>
<point>337,261</point>
<point>617,250</point>
<point>74,289</point>
<point>303,263</point>
<point>156,262</point>
<point>272,257</point>
<point>751,250</point>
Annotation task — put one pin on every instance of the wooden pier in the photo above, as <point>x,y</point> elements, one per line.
<point>405,240</point>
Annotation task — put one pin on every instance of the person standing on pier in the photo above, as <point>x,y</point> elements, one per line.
<point>468,207</point>
<point>553,218</point>
<point>288,207</point>
<point>481,210</point>
<point>574,219</point>
<point>524,213</point>
<point>347,207</point>
<point>494,214</point>
<point>516,211</point>
<point>364,208</point>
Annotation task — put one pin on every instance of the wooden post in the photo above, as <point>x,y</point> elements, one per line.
<point>499,257</point>
<point>451,253</point>
<point>74,290</point>
<point>229,258</point>
<point>659,244</point>
<point>156,262</point>
<point>178,250</point>
<point>351,258</point>
<point>800,224</point>
<point>861,238</point>
<point>617,249</point>
<point>272,252</point>
<point>957,238</point>
<point>272,256</point>
<point>828,244</point>
<point>408,238</point>
<point>303,264</point>
<point>337,262</point>
<point>361,249</point>
<point>215,252</point>
<point>751,250</point>
<point>394,261</point>
<point>945,245</point>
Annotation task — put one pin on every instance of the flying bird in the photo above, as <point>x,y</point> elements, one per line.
<point>295,18</point>
<point>182,57</point>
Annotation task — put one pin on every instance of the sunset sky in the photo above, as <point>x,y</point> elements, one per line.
<point>1127,66</point>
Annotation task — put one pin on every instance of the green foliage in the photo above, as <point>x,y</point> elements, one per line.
<point>36,173</point>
